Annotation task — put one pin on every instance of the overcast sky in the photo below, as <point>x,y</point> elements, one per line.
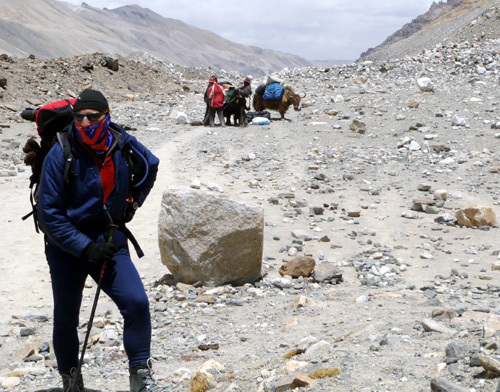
<point>313,29</point>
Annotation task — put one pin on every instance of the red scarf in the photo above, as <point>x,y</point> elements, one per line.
<point>97,137</point>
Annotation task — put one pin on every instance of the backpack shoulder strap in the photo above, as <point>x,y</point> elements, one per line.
<point>63,140</point>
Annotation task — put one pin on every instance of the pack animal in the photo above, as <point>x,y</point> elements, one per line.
<point>236,107</point>
<point>278,105</point>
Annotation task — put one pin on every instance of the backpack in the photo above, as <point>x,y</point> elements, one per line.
<point>273,91</point>
<point>52,122</point>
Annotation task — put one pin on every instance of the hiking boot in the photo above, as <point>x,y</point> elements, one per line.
<point>68,377</point>
<point>141,379</point>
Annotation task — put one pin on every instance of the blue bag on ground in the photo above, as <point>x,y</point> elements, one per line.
<point>274,91</point>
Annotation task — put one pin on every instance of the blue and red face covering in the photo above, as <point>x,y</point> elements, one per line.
<point>97,137</point>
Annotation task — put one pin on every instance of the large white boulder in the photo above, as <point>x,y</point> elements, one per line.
<point>208,238</point>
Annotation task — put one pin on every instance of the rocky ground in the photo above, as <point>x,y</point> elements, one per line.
<point>418,307</point>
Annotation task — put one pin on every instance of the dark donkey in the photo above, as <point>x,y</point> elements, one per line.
<point>236,107</point>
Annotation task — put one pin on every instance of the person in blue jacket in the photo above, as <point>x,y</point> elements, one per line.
<point>75,215</point>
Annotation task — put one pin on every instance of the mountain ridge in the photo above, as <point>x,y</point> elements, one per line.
<point>450,21</point>
<point>24,31</point>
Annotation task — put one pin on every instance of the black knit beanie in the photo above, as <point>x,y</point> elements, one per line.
<point>91,99</point>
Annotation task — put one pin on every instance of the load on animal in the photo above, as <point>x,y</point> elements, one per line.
<point>276,96</point>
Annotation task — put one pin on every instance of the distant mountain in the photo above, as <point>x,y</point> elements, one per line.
<point>444,21</point>
<point>327,63</point>
<point>52,29</point>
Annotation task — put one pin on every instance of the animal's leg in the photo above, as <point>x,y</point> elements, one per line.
<point>243,118</point>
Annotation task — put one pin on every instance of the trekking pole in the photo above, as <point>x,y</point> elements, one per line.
<point>110,239</point>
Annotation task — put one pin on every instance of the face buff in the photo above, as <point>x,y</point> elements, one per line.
<point>97,137</point>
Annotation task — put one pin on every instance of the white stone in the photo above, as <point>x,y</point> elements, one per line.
<point>361,299</point>
<point>209,238</point>
<point>181,118</point>
<point>196,184</point>
<point>458,121</point>
<point>414,146</point>
<point>425,85</point>
<point>384,270</point>
<point>447,161</point>
<point>440,194</point>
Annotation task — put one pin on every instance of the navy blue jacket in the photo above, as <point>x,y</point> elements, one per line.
<point>72,215</point>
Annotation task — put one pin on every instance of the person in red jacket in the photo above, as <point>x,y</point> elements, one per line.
<point>215,95</point>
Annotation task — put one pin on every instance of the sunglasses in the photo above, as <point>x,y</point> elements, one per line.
<point>91,116</point>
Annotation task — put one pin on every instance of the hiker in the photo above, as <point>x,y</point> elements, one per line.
<point>75,216</point>
<point>215,94</point>
<point>246,89</point>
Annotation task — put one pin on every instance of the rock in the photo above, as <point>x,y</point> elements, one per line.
<point>10,382</point>
<point>326,272</point>
<point>86,64</point>
<point>424,187</point>
<point>3,81</point>
<point>37,316</point>
<point>300,302</point>
<point>301,235</point>
<point>491,326</point>
<point>425,85</point>
<point>419,203</point>
<point>455,352</point>
<point>181,118</point>
<point>357,127</point>
<point>319,350</point>
<point>489,363</point>
<point>298,266</point>
<point>195,184</point>
<point>440,385</point>
<point>409,214</point>
<point>28,348</point>
<point>458,121</point>
<point>476,215</point>
<point>110,63</point>
<point>440,194</point>
<point>203,379</point>
<point>354,213</point>
<point>447,161</point>
<point>302,381</point>
<point>434,326</point>
<point>414,146</point>
<point>210,239</point>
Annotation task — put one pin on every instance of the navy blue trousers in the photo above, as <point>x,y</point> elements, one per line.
<point>121,283</point>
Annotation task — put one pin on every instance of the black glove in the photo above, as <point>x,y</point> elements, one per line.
<point>100,251</point>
